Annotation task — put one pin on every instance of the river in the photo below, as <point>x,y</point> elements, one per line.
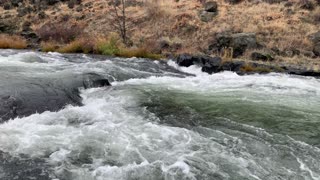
<point>158,121</point>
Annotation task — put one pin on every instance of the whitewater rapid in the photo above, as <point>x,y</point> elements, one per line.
<point>161,121</point>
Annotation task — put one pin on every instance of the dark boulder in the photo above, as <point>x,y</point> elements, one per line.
<point>212,65</point>
<point>22,11</point>
<point>316,49</point>
<point>206,16</point>
<point>7,6</point>
<point>261,57</point>
<point>275,50</point>
<point>239,42</point>
<point>314,37</point>
<point>209,64</point>
<point>301,71</point>
<point>6,27</point>
<point>307,4</point>
<point>16,2</point>
<point>233,1</point>
<point>42,15</point>
<point>234,66</point>
<point>290,52</point>
<point>52,2</point>
<point>243,41</point>
<point>187,60</point>
<point>211,6</point>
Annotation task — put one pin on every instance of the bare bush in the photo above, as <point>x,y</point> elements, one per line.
<point>119,20</point>
<point>59,32</point>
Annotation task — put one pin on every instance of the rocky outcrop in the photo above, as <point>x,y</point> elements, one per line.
<point>208,64</point>
<point>210,10</point>
<point>316,49</point>
<point>315,39</point>
<point>239,42</point>
<point>211,6</point>
<point>7,27</point>
<point>212,65</point>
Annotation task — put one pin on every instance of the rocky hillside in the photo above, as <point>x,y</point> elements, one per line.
<point>282,31</point>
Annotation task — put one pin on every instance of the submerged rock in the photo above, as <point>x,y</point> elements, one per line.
<point>23,98</point>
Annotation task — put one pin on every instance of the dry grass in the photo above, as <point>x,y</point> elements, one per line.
<point>12,42</point>
<point>49,46</point>
<point>139,53</point>
<point>103,46</point>
<point>249,68</point>
<point>82,45</point>
<point>274,24</point>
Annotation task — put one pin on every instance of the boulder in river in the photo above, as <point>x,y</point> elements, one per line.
<point>212,65</point>
<point>23,98</point>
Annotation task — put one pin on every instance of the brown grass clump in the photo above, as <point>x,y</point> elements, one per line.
<point>139,53</point>
<point>82,45</point>
<point>49,46</point>
<point>12,42</point>
<point>250,68</point>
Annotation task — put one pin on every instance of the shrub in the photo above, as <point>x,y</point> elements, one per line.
<point>226,54</point>
<point>12,42</point>
<point>154,10</point>
<point>82,45</point>
<point>316,18</point>
<point>108,47</point>
<point>49,46</point>
<point>59,32</point>
<point>250,68</point>
<point>139,53</point>
<point>306,4</point>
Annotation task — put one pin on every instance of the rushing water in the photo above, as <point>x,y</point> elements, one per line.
<point>158,121</point>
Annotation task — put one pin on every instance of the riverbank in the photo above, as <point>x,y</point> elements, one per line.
<point>282,32</point>
<point>217,64</point>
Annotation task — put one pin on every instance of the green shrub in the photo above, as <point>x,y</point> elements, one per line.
<point>108,47</point>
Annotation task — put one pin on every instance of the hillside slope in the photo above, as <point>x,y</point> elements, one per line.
<point>277,30</point>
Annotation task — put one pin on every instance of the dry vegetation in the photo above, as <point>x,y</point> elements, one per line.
<point>12,42</point>
<point>168,26</point>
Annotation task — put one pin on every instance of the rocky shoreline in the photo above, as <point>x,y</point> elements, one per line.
<point>212,65</point>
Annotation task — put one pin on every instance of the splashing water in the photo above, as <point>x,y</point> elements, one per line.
<point>159,122</point>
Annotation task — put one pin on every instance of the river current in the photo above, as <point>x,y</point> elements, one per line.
<point>159,121</point>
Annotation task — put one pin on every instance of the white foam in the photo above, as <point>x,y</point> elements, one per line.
<point>112,137</point>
